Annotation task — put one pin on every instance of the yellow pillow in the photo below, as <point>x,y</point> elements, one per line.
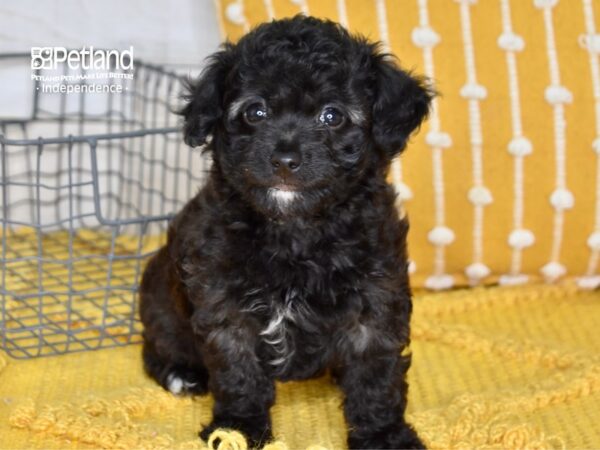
<point>502,184</point>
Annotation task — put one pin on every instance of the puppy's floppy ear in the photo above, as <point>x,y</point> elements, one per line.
<point>401,103</point>
<point>204,98</point>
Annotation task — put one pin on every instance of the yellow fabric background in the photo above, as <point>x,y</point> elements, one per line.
<point>538,125</point>
<point>492,368</point>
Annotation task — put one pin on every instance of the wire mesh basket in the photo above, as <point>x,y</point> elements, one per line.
<point>85,205</point>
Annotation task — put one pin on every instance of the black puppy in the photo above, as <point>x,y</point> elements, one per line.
<point>291,260</point>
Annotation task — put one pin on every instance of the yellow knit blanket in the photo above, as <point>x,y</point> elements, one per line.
<point>492,368</point>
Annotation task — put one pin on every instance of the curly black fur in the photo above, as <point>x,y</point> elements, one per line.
<point>291,260</point>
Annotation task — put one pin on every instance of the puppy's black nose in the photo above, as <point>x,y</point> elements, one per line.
<point>286,160</point>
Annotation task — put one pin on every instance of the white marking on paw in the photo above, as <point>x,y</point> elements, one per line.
<point>175,384</point>
<point>178,385</point>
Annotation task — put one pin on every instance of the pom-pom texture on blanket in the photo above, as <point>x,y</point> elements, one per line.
<point>503,183</point>
<point>492,368</point>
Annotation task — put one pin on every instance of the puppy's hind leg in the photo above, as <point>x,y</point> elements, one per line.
<point>178,378</point>
<point>169,353</point>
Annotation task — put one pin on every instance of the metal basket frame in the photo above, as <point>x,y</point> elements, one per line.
<point>82,212</point>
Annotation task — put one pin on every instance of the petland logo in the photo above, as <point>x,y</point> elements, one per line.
<point>58,70</point>
<point>86,58</point>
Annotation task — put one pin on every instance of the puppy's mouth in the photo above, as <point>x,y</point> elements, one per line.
<point>284,197</point>
<point>285,187</point>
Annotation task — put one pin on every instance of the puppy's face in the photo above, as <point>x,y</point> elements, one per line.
<point>299,112</point>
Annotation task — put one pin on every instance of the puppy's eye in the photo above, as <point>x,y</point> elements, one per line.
<point>255,113</point>
<point>331,117</point>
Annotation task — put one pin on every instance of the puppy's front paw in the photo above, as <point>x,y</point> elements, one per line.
<point>392,437</point>
<point>257,430</point>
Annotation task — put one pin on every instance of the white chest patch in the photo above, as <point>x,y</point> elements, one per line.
<point>276,335</point>
<point>278,332</point>
<point>282,198</point>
